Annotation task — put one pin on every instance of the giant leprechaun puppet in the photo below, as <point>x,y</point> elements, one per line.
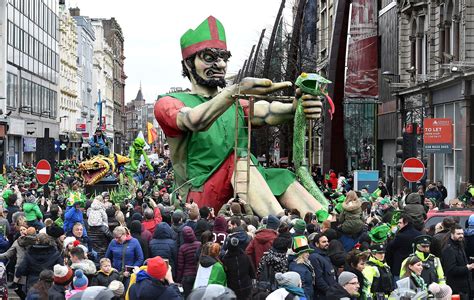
<point>200,129</point>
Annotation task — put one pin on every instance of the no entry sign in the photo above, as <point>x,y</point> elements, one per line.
<point>43,171</point>
<point>413,169</point>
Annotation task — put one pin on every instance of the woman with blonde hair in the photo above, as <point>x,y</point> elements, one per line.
<point>124,250</point>
<point>210,270</point>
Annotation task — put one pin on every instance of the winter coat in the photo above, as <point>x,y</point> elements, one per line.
<point>241,235</point>
<point>96,215</point>
<point>57,292</point>
<point>469,237</point>
<point>360,276</point>
<point>437,243</point>
<point>278,261</point>
<point>336,291</point>
<point>187,262</point>
<point>150,225</point>
<point>18,249</point>
<point>87,266</point>
<point>32,212</point>
<point>149,288</point>
<point>333,180</point>
<point>163,244</point>
<point>307,275</point>
<point>103,279</point>
<point>136,232</point>
<point>454,261</point>
<point>239,272</point>
<point>400,248</point>
<point>260,244</point>
<point>201,226</point>
<point>11,210</point>
<point>37,259</point>
<point>99,237</point>
<point>351,217</point>
<point>210,271</point>
<point>71,217</point>
<point>281,294</point>
<point>415,209</point>
<point>220,230</point>
<point>324,270</point>
<point>133,254</point>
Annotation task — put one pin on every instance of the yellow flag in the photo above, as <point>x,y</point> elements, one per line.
<point>152,135</point>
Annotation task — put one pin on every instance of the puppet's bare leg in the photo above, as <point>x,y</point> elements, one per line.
<point>260,197</point>
<point>296,196</point>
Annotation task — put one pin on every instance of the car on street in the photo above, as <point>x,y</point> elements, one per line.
<point>436,216</point>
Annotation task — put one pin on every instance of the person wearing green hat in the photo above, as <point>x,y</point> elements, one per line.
<point>379,234</point>
<point>432,268</point>
<point>378,275</point>
<point>200,128</point>
<point>322,215</point>
<point>302,265</point>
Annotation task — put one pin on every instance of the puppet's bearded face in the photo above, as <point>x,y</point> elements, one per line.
<point>210,67</point>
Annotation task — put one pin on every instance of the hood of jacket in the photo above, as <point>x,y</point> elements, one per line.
<point>163,231</point>
<point>26,241</point>
<point>136,227</point>
<point>220,224</point>
<point>413,198</point>
<point>97,205</point>
<point>147,287</point>
<point>86,265</point>
<point>28,207</point>
<point>206,261</point>
<point>241,235</point>
<point>43,255</point>
<point>188,234</point>
<point>352,202</point>
<point>264,236</point>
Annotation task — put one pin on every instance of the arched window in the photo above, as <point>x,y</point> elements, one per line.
<point>451,31</point>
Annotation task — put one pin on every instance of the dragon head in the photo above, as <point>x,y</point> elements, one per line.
<point>95,169</point>
<point>98,167</point>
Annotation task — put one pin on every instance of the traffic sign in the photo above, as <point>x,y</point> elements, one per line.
<point>413,169</point>
<point>43,171</point>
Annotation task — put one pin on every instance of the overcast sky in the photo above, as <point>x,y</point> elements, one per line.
<point>152,29</point>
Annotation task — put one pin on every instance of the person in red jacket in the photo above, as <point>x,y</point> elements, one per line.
<point>263,240</point>
<point>187,263</point>
<point>152,218</point>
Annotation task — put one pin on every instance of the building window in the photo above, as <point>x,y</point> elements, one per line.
<point>12,90</point>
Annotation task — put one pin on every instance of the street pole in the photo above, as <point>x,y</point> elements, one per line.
<point>99,109</point>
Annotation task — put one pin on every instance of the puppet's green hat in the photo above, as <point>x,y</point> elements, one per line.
<point>209,34</point>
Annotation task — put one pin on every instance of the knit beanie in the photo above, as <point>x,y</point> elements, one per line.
<point>288,279</point>
<point>54,231</point>
<point>80,281</point>
<point>440,292</point>
<point>345,277</point>
<point>300,225</point>
<point>273,222</point>
<point>157,267</point>
<point>62,275</point>
<point>235,208</point>
<point>117,288</point>
<point>68,240</point>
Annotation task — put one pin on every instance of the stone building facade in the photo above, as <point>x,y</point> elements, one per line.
<point>436,70</point>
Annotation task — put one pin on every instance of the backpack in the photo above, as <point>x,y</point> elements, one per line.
<point>267,281</point>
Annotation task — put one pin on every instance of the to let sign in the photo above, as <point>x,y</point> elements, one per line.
<point>438,135</point>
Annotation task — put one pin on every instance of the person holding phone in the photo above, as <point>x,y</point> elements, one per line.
<point>156,282</point>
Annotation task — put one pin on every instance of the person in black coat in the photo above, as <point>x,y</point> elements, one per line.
<point>355,263</point>
<point>163,244</point>
<point>401,246</point>
<point>346,287</point>
<point>100,237</point>
<point>437,243</point>
<point>456,265</point>
<point>43,255</point>
<point>136,232</point>
<point>239,270</point>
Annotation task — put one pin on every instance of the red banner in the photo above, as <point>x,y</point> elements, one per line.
<point>362,72</point>
<point>438,135</point>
